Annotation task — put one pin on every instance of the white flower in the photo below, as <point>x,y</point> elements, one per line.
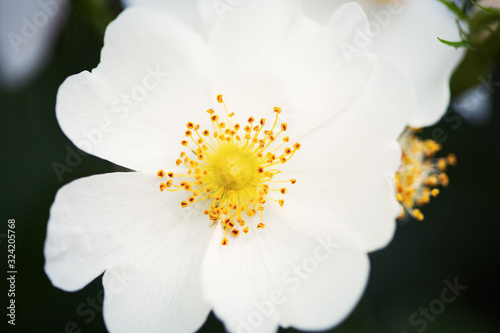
<point>164,265</point>
<point>28,31</point>
<point>406,31</point>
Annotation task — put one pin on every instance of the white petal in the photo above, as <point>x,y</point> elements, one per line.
<point>321,10</point>
<point>406,32</point>
<point>254,29</point>
<point>253,282</point>
<point>28,31</point>
<point>132,109</point>
<point>303,70</point>
<point>346,167</point>
<point>185,10</point>
<point>412,44</point>
<point>150,249</point>
<point>217,12</point>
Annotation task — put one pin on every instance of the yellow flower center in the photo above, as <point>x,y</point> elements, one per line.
<point>234,168</point>
<point>233,172</point>
<point>420,173</point>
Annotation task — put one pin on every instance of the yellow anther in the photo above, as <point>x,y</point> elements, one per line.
<point>443,178</point>
<point>418,214</point>
<point>441,164</point>
<point>451,159</point>
<point>432,181</point>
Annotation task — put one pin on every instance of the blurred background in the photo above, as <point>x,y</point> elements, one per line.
<point>457,243</point>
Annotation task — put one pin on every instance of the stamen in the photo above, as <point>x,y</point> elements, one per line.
<point>420,173</point>
<point>232,171</point>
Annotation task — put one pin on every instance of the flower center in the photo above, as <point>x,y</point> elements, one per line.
<point>234,172</point>
<point>420,173</point>
<point>234,169</point>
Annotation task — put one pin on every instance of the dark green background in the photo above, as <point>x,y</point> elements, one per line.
<point>458,239</point>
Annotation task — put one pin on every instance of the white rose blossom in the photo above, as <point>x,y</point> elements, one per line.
<point>278,217</point>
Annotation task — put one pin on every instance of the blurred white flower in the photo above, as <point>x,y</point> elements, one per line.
<point>28,31</point>
<point>301,262</point>
<point>406,31</point>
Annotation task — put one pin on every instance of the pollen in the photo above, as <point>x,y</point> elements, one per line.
<point>420,173</point>
<point>235,171</point>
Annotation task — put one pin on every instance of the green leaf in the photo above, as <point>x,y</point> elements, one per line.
<point>477,62</point>
<point>462,43</point>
